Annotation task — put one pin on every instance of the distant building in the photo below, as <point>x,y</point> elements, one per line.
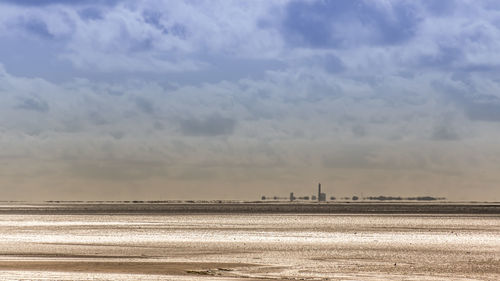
<point>321,196</point>
<point>291,196</point>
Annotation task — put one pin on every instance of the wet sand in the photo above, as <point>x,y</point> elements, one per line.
<point>51,243</point>
<point>125,267</point>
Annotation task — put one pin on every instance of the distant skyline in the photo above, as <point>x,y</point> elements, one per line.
<point>162,100</point>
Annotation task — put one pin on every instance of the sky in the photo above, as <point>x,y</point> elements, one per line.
<point>162,100</point>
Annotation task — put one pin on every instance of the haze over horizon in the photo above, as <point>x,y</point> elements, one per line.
<point>159,100</point>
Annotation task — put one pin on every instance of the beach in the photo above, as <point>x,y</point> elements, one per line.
<point>118,242</point>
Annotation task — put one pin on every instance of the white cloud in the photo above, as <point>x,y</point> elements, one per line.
<point>149,36</point>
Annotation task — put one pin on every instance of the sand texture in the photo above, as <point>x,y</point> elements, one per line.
<point>61,245</point>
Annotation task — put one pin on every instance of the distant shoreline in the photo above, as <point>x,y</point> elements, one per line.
<point>62,208</point>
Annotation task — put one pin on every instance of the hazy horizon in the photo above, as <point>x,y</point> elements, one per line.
<point>163,100</point>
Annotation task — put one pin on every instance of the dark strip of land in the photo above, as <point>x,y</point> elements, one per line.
<point>230,208</point>
<point>124,267</point>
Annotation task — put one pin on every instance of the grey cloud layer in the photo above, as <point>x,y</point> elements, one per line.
<point>345,24</point>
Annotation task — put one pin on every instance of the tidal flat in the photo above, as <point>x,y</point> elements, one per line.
<point>90,242</point>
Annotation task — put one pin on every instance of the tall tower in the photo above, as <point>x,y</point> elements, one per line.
<point>319,192</point>
<point>321,196</point>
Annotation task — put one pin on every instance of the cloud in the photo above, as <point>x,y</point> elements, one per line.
<point>38,28</point>
<point>482,110</point>
<point>135,37</point>
<point>332,63</point>
<point>35,104</point>
<point>63,2</point>
<point>444,132</point>
<point>473,97</point>
<point>118,37</point>
<point>91,13</point>
<point>441,8</point>
<point>342,24</point>
<point>210,126</point>
<point>144,105</point>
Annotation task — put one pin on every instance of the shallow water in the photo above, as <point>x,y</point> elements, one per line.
<point>284,246</point>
